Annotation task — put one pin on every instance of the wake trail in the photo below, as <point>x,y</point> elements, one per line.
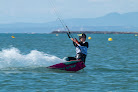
<point>12,57</point>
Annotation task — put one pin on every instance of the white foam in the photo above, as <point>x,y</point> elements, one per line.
<point>12,57</point>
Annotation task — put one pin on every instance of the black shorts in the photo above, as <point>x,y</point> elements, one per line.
<point>78,56</point>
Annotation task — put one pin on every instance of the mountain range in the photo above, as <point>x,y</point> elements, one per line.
<point>110,22</point>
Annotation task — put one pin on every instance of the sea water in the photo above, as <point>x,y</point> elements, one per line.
<point>111,66</point>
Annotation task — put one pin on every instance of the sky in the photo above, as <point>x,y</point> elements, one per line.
<point>41,11</point>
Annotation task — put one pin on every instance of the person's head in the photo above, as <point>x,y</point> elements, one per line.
<point>82,37</point>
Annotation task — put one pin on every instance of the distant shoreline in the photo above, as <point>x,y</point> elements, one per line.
<point>93,32</point>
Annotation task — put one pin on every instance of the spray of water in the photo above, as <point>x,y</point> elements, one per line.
<point>13,58</point>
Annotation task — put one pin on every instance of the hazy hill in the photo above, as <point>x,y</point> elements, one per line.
<point>112,19</point>
<point>109,22</point>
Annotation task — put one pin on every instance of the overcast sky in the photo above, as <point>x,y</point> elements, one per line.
<point>42,10</point>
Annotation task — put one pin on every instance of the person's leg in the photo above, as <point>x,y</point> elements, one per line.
<point>81,56</point>
<point>84,57</point>
<point>70,58</point>
<point>78,56</point>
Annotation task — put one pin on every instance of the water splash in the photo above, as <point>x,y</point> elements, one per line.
<point>12,57</point>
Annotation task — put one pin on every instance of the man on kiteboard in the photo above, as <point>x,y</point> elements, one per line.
<point>81,48</point>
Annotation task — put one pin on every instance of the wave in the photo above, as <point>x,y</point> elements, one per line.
<point>112,70</point>
<point>12,58</point>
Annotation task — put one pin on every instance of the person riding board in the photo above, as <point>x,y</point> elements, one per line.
<point>81,48</point>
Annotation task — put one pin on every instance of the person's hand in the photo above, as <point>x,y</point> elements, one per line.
<point>72,39</point>
<point>75,40</point>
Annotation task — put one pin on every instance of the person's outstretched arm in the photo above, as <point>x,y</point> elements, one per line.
<point>75,42</point>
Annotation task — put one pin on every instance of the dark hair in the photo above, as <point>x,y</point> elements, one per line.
<point>83,35</point>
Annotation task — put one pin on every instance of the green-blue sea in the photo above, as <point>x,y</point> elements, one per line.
<point>111,66</point>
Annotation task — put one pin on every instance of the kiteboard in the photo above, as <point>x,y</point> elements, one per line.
<point>72,65</point>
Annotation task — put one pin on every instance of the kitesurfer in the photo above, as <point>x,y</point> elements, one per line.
<point>81,48</point>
